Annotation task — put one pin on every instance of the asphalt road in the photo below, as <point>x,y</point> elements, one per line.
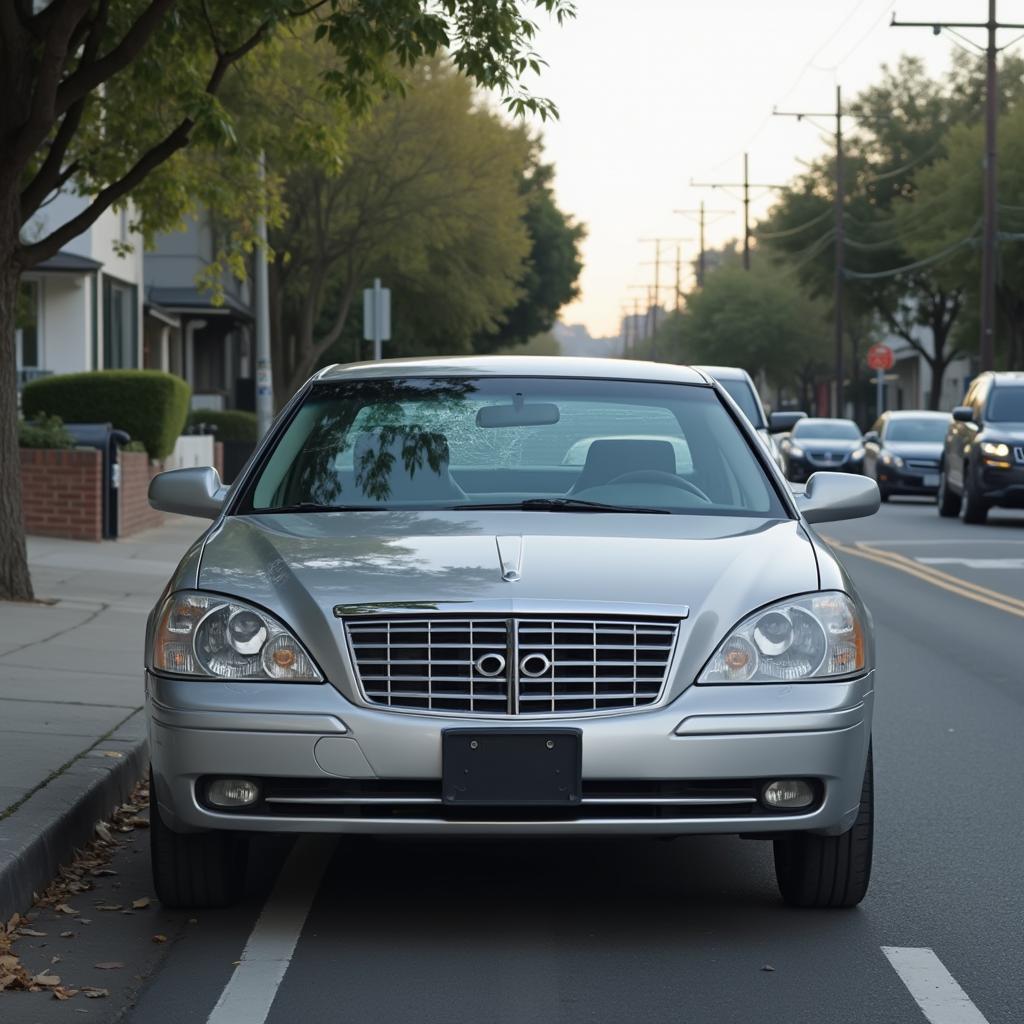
<point>680,931</point>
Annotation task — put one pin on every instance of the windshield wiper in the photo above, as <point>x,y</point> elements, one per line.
<point>560,505</point>
<point>315,506</point>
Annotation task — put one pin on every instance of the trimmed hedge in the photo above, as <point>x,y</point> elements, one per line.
<point>44,432</point>
<point>231,424</point>
<point>149,404</point>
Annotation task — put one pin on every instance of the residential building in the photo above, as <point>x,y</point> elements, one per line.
<point>82,308</point>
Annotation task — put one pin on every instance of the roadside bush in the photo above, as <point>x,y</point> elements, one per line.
<point>149,404</point>
<point>44,432</point>
<point>231,424</point>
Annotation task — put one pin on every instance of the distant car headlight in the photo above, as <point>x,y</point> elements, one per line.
<point>819,636</point>
<point>857,453</point>
<point>215,637</point>
<point>795,451</point>
<point>888,459</point>
<point>996,448</point>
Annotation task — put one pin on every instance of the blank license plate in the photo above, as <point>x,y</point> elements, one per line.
<point>501,766</point>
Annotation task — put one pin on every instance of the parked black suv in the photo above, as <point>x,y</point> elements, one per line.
<point>983,455</point>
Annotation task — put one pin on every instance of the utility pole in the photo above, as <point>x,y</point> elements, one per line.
<point>746,185</point>
<point>264,368</point>
<point>679,260</point>
<point>700,214</point>
<point>838,298</point>
<point>990,221</point>
<point>657,274</point>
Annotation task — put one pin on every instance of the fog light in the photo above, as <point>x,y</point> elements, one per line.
<point>232,792</point>
<point>787,794</point>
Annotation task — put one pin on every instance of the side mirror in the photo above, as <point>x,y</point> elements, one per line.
<point>781,422</point>
<point>871,437</point>
<point>830,497</point>
<point>963,414</point>
<point>188,492</point>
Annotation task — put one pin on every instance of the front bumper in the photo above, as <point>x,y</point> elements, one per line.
<point>908,480</point>
<point>800,469</point>
<point>708,734</point>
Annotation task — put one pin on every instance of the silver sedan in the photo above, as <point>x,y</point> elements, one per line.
<point>412,614</point>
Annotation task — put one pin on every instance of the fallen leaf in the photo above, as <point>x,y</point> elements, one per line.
<point>103,832</point>
<point>95,993</point>
<point>108,965</point>
<point>138,822</point>
<point>84,920</point>
<point>67,935</point>
<point>31,933</point>
<point>63,908</point>
<point>110,906</point>
<point>8,962</point>
<point>56,959</point>
<point>64,993</point>
<point>142,903</point>
<point>767,967</point>
<point>47,980</point>
<point>102,872</point>
<point>159,938</point>
<point>6,980</point>
<point>12,923</point>
<point>111,753</point>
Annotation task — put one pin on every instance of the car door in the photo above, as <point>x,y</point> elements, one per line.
<point>961,435</point>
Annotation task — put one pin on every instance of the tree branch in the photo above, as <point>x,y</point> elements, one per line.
<point>29,255</point>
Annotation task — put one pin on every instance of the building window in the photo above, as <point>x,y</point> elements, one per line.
<point>120,325</point>
<point>26,326</point>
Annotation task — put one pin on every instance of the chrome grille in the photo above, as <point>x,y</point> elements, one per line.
<point>511,666</point>
<point>925,465</point>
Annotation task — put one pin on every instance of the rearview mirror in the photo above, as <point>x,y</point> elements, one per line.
<point>963,414</point>
<point>781,422</point>
<point>831,497</point>
<point>188,492</point>
<point>537,414</point>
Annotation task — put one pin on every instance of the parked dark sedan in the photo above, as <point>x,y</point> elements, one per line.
<point>903,449</point>
<point>814,444</point>
<point>983,455</point>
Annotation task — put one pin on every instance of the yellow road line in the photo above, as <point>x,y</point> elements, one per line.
<point>955,585</point>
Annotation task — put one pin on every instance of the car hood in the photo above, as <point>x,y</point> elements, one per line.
<point>302,567</point>
<point>915,449</point>
<point>1012,433</point>
<point>817,445</point>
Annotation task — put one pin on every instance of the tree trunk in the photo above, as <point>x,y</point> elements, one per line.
<point>15,582</point>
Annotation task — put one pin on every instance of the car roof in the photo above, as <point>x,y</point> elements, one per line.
<point>1008,378</point>
<point>904,414</point>
<point>823,419</point>
<point>725,372</point>
<point>512,366</point>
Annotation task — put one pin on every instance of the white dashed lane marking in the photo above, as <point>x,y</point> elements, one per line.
<point>934,989</point>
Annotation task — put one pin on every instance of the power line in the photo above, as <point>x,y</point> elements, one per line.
<point>701,214</point>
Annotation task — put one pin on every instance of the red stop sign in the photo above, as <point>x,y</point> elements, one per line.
<point>880,357</point>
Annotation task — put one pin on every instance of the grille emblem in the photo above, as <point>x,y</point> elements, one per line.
<point>534,665</point>
<point>490,665</point>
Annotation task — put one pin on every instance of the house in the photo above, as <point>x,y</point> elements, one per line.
<point>908,384</point>
<point>82,308</point>
<point>210,344</point>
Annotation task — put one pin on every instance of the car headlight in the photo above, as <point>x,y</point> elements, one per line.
<point>819,636</point>
<point>857,453</point>
<point>216,637</point>
<point>888,459</point>
<point>996,448</point>
<point>796,451</point>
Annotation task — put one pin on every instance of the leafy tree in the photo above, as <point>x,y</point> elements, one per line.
<point>101,96</point>
<point>553,267</point>
<point>426,197</point>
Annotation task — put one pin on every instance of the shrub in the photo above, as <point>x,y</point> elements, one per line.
<point>149,404</point>
<point>230,424</point>
<point>44,432</point>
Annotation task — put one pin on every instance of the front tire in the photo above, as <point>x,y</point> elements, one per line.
<point>199,870</point>
<point>948,503</point>
<point>975,509</point>
<point>829,871</point>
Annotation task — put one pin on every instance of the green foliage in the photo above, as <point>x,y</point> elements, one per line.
<point>230,424</point>
<point>540,345</point>
<point>553,266</point>
<point>149,404</point>
<point>44,432</point>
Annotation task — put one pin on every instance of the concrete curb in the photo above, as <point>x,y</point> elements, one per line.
<point>45,830</point>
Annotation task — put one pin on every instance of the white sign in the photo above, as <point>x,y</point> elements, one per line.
<point>377,313</point>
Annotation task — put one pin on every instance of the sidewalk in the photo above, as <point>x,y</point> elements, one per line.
<point>71,690</point>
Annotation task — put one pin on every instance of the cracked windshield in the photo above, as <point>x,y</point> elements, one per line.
<point>511,510</point>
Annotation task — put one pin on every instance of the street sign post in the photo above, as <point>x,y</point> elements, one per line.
<point>377,316</point>
<point>880,359</point>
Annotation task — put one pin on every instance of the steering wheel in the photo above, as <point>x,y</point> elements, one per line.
<point>657,476</point>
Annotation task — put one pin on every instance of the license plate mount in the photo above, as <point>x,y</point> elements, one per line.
<point>506,767</point>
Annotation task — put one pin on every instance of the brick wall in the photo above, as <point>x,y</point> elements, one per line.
<point>62,492</point>
<point>136,513</point>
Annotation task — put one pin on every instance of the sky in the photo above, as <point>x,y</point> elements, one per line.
<point>654,94</point>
